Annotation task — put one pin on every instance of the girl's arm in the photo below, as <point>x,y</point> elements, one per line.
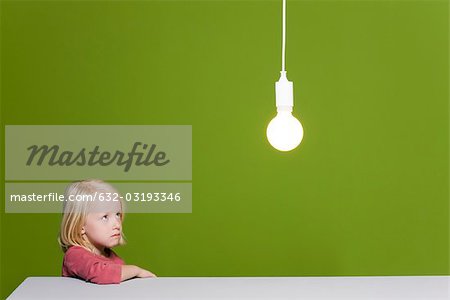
<point>130,271</point>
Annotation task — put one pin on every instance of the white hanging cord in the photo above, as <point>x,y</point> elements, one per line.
<point>284,36</point>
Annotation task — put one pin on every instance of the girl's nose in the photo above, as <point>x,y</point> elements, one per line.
<point>116,225</point>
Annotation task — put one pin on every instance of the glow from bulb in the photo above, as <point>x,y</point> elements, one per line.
<point>284,132</point>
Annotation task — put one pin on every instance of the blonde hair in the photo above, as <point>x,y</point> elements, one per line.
<point>75,212</point>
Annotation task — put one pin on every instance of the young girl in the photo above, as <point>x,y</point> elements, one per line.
<point>89,229</point>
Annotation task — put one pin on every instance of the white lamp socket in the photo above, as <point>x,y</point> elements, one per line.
<point>284,90</point>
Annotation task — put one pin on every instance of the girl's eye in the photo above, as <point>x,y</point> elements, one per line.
<point>105,217</point>
<point>118,214</point>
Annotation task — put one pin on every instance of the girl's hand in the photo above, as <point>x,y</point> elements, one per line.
<point>142,273</point>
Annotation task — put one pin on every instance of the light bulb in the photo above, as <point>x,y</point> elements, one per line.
<point>284,132</point>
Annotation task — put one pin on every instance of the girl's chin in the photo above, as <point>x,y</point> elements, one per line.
<point>113,243</point>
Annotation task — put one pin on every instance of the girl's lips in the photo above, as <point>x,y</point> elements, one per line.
<point>116,235</point>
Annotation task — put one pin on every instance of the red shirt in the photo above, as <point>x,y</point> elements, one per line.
<point>82,263</point>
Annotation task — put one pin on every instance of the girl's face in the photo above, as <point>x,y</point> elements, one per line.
<point>103,226</point>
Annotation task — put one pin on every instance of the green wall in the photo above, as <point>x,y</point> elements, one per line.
<point>367,191</point>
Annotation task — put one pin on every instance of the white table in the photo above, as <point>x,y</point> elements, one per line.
<point>361,288</point>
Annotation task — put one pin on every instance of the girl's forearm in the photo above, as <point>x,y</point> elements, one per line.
<point>129,271</point>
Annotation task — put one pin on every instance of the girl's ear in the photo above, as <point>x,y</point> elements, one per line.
<point>83,231</point>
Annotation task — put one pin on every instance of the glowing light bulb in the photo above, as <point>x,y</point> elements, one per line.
<point>284,132</point>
